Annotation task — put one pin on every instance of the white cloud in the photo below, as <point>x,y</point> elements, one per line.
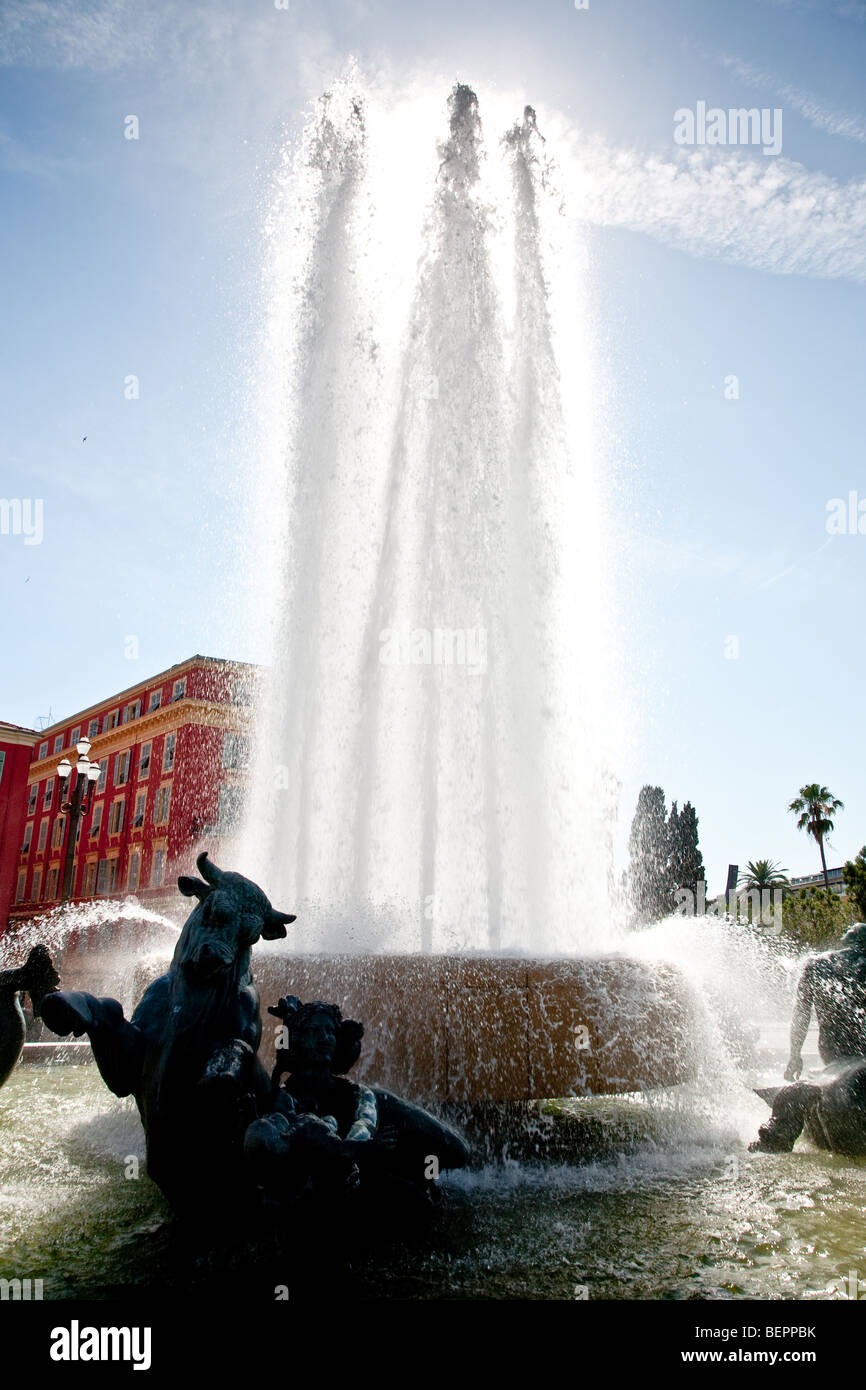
<point>202,39</point>
<point>769,214</point>
<point>817,112</point>
<point>65,34</point>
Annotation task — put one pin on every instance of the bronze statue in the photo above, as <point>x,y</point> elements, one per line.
<point>36,977</point>
<point>219,1132</point>
<point>831,1107</point>
<point>188,1054</point>
<point>328,1132</point>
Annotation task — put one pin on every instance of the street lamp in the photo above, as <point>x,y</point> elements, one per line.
<point>76,805</point>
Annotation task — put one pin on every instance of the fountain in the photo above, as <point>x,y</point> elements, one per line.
<point>433,785</point>
<point>433,790</point>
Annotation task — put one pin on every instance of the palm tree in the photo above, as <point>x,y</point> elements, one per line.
<point>814,808</point>
<point>763,874</point>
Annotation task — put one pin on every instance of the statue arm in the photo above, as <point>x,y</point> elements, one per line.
<point>366,1121</point>
<point>800,1022</point>
<point>250,1018</point>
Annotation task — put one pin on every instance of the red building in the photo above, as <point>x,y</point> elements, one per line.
<point>172,752</point>
<point>16,746</point>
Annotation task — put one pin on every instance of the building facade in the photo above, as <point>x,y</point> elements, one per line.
<point>172,753</point>
<point>834,877</point>
<point>16,745</point>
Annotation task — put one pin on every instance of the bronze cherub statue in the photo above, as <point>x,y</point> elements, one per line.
<point>329,1132</point>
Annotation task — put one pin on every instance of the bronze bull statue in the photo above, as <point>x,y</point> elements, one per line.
<point>830,1110</point>
<point>188,1054</point>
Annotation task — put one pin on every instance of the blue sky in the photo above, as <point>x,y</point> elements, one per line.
<point>141,257</point>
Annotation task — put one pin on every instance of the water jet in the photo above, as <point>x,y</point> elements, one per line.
<point>428,467</point>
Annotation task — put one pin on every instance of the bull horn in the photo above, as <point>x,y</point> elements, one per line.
<point>768,1093</point>
<point>209,872</point>
<point>193,887</point>
<point>275,924</point>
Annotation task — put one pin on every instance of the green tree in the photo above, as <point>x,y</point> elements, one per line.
<point>685,861</point>
<point>650,886</point>
<point>764,875</point>
<point>814,808</point>
<point>854,878</point>
<point>815,918</point>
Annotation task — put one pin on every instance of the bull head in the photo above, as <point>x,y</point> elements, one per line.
<point>274,923</point>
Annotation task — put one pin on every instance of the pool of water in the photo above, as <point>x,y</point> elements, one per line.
<point>689,1214</point>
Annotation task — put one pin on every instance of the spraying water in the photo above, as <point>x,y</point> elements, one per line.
<point>108,946</point>
<point>435,744</point>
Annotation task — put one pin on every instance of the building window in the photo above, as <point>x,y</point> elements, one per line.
<point>155,700</point>
<point>88,883</point>
<point>31,799</point>
<point>140,808</point>
<point>75,735</point>
<point>96,822</point>
<point>36,885</point>
<point>240,693</point>
<point>134,870</point>
<point>235,750</point>
<point>19,886</point>
<point>93,727</point>
<point>43,750</point>
<point>106,877</point>
<point>110,721</point>
<point>48,794</point>
<point>43,835</point>
<point>121,768</point>
<point>132,711</point>
<point>230,806</point>
<point>103,775</point>
<point>57,837</point>
<point>51,884</point>
<point>115,817</point>
<point>161,806</point>
<point>58,743</point>
<point>168,752</point>
<point>144,760</point>
<point>28,836</point>
<point>179,689</point>
<point>2,763</point>
<point>157,868</point>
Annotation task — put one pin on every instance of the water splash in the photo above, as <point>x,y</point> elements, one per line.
<point>110,946</point>
<point>436,742</point>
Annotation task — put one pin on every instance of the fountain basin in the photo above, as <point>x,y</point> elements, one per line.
<point>442,1028</point>
<point>455,1029</point>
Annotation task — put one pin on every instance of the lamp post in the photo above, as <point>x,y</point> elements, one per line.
<point>76,805</point>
